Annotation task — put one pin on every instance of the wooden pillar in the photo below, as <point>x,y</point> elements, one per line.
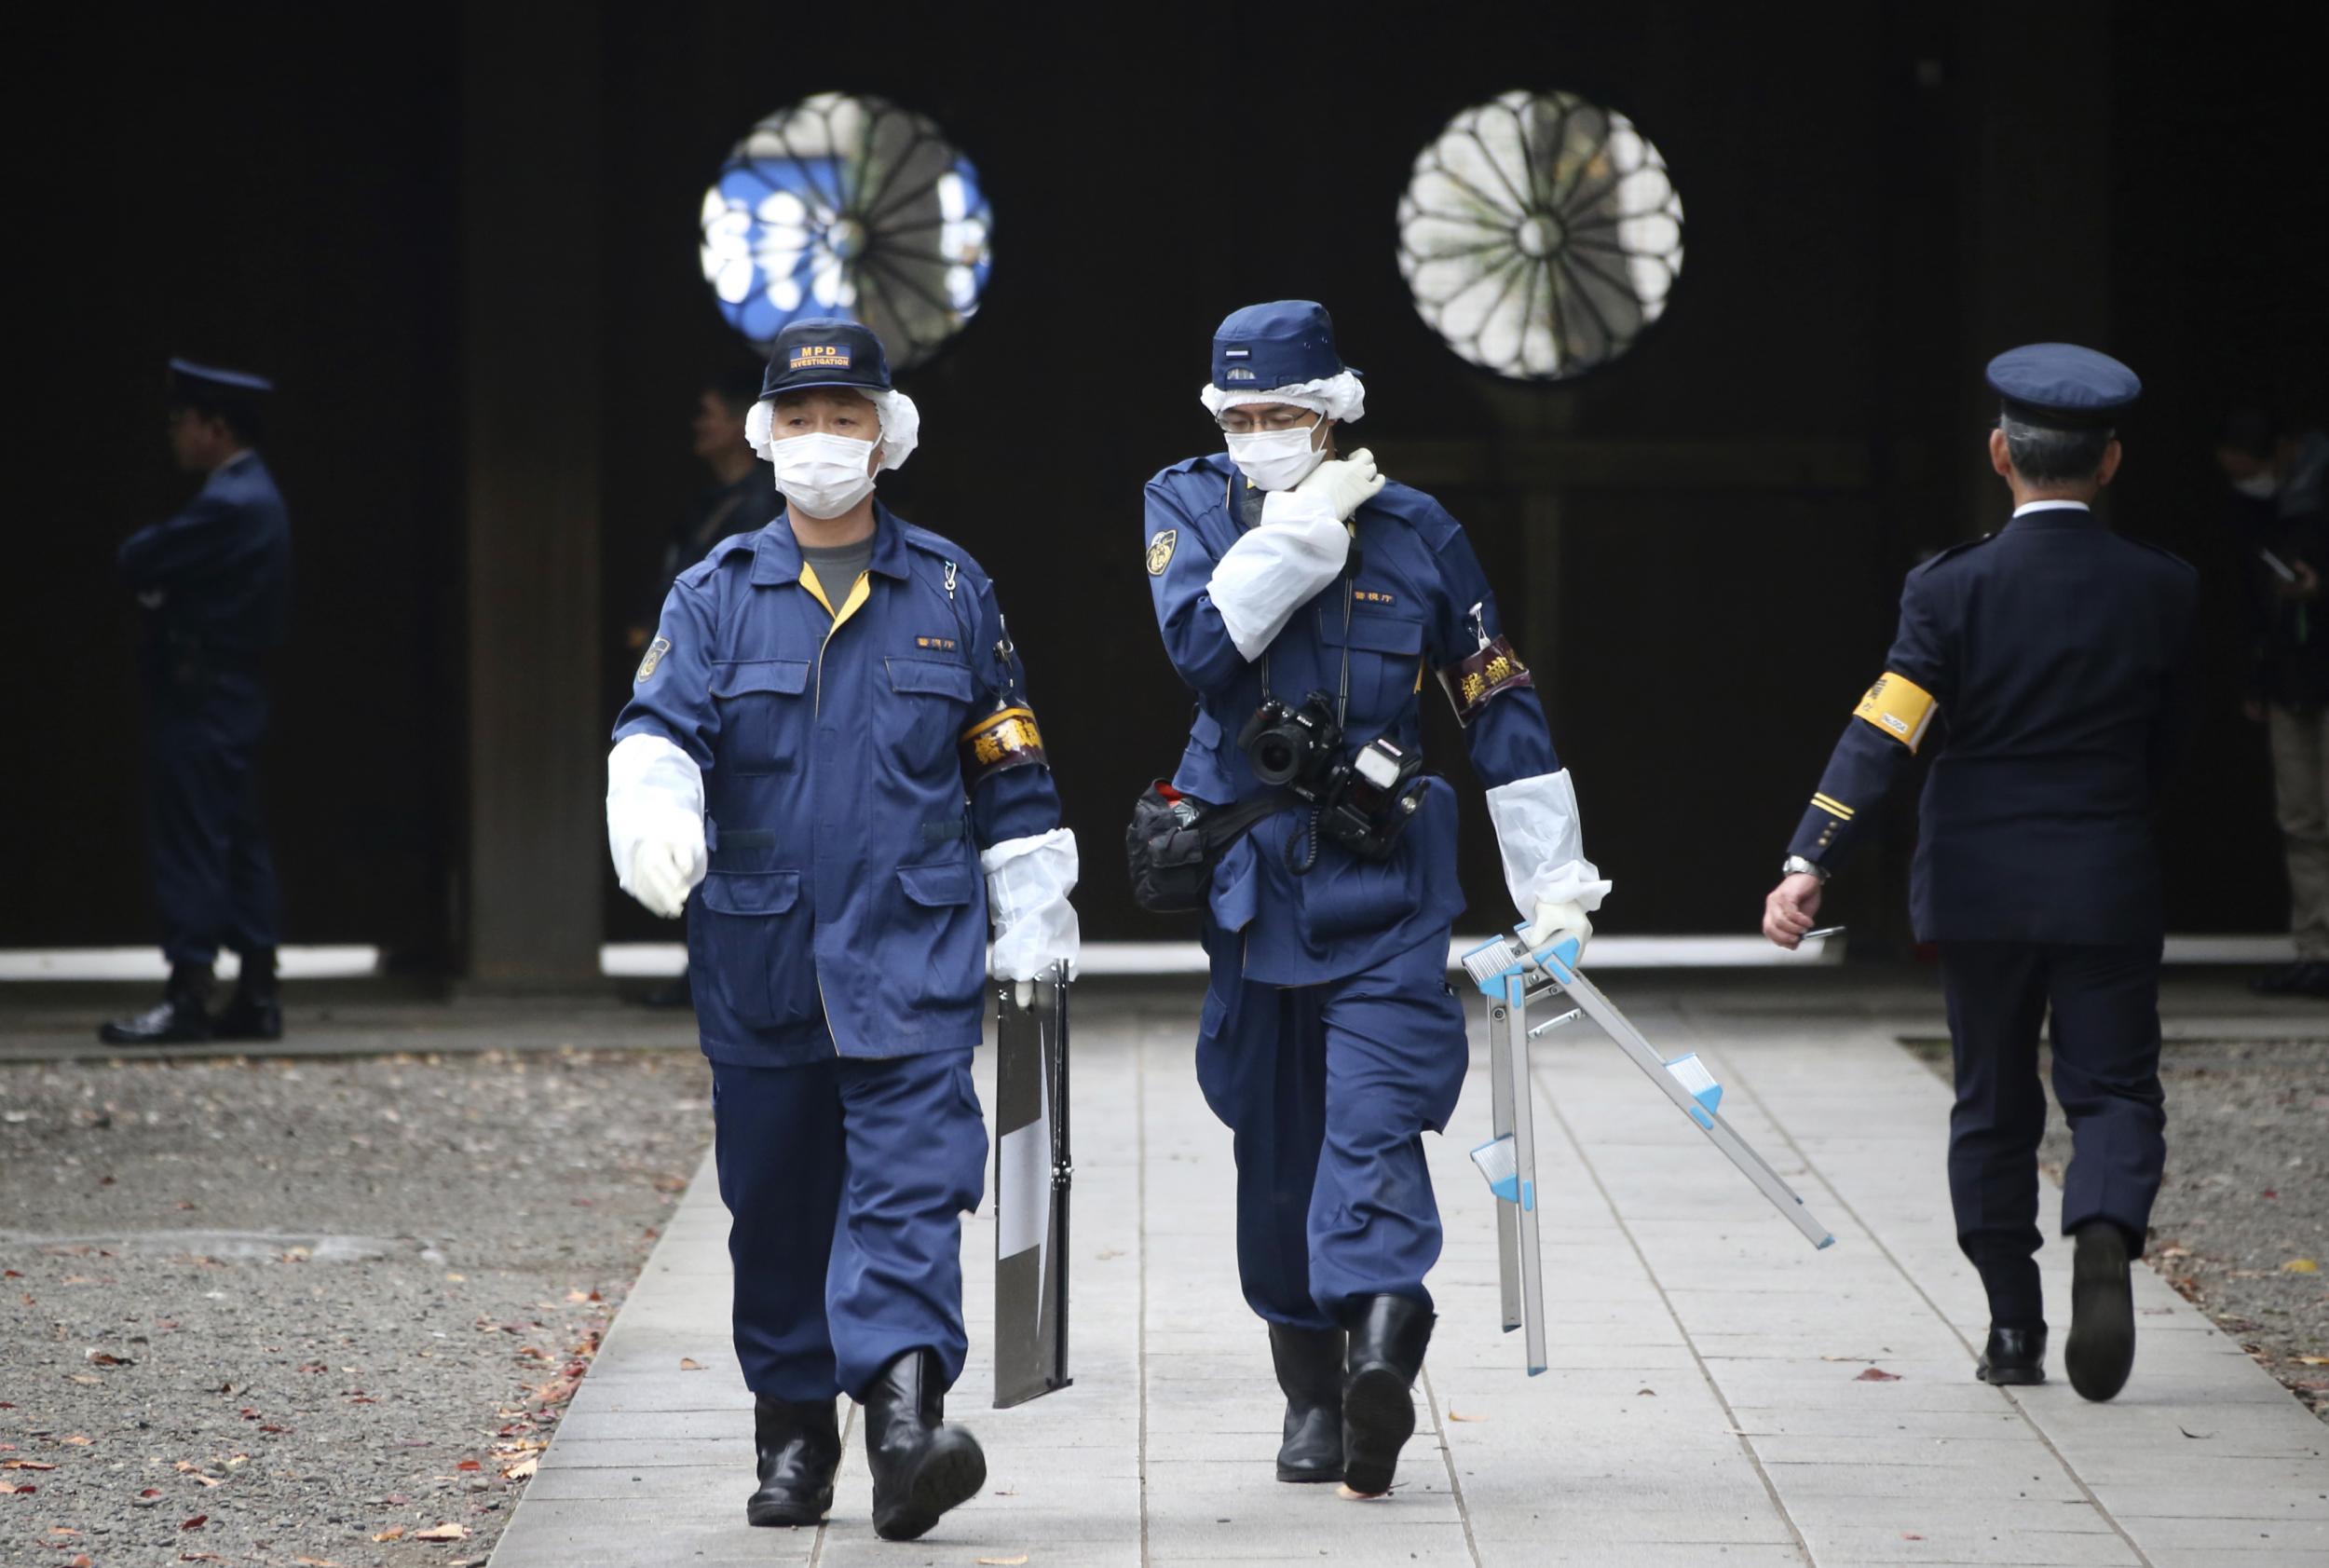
<point>530,353</point>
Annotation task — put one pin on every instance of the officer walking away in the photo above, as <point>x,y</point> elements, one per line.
<point>213,593</point>
<point>737,501</point>
<point>2277,511</point>
<point>827,744</point>
<point>2053,656</point>
<point>1305,600</point>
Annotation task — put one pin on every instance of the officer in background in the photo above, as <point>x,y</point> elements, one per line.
<point>737,501</point>
<point>213,591</point>
<point>2054,655</point>
<point>828,741</point>
<point>1330,1040</point>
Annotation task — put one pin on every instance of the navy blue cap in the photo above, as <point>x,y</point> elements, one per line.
<point>217,382</point>
<point>1281,344</point>
<point>825,351</point>
<point>2063,387</point>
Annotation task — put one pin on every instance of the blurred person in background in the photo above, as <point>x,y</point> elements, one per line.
<point>737,501</point>
<point>2277,477</point>
<point>212,586</point>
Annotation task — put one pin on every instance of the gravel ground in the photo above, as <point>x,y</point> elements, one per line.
<point>294,1312</point>
<point>2241,1225</point>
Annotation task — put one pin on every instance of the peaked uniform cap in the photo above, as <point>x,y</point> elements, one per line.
<point>2063,387</point>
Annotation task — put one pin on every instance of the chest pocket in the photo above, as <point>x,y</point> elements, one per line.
<point>929,701</point>
<point>763,718</point>
<point>1386,654</point>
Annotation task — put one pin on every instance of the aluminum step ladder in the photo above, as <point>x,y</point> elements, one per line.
<point>1514,979</point>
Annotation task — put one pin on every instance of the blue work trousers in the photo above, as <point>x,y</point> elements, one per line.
<point>2104,1001</point>
<point>213,878</point>
<point>1329,1089</point>
<point>846,1180</point>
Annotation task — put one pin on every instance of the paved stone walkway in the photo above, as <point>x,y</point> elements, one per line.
<point>1703,1405</point>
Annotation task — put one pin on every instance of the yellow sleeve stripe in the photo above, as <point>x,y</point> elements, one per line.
<point>1833,807</point>
<point>1898,707</point>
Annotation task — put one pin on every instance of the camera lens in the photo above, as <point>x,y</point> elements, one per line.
<point>1273,758</point>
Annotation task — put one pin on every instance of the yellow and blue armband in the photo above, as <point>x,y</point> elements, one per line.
<point>1900,707</point>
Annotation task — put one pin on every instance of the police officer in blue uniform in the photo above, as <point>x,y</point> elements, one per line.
<point>827,744</point>
<point>1330,1040</point>
<point>212,586</point>
<point>2051,661</point>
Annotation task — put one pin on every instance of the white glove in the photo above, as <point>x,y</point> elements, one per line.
<point>655,821</point>
<point>1343,483</point>
<point>1027,883</point>
<point>664,870</point>
<point>1542,842</point>
<point>1555,924</point>
<point>1274,570</point>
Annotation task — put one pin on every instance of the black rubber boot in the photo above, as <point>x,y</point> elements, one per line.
<point>253,1013</point>
<point>1388,1334</point>
<point>179,1020</point>
<point>2101,1348</point>
<point>2013,1356</point>
<point>798,1445</point>
<point>1309,1364</point>
<point>921,1466</point>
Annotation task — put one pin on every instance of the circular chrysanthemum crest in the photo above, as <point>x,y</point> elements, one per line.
<point>848,205</point>
<point>1540,233</point>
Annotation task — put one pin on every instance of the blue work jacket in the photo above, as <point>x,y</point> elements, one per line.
<point>844,909</point>
<point>2050,665</point>
<point>1419,606</point>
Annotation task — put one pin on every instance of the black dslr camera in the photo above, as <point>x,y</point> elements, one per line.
<point>1363,804</point>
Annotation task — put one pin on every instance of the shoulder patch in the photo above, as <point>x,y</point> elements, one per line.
<point>648,666</point>
<point>1161,549</point>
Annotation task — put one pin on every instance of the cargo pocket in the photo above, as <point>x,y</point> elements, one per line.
<point>1386,657</point>
<point>751,952</point>
<point>760,713</point>
<point>936,954</point>
<point>929,701</point>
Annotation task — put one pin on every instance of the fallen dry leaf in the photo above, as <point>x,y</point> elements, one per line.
<point>212,1480</point>
<point>1454,1415</point>
<point>394,1532</point>
<point>200,1557</point>
<point>24,1465</point>
<point>522,1471</point>
<point>316,1561</point>
<point>84,1377</point>
<point>2314,1361</point>
<point>79,1441</point>
<point>2300,1265</point>
<point>469,1465</point>
<point>445,1531</point>
<point>689,1364</point>
<point>1003,1561</point>
<point>197,1523</point>
<point>106,1358</point>
<point>10,1489</point>
<point>1877,1374</point>
<point>82,1561</point>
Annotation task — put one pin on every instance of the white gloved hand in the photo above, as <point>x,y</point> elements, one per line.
<point>1343,483</point>
<point>1555,924</point>
<point>1027,883</point>
<point>666,866</point>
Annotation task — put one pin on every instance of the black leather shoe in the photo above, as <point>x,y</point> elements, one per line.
<point>798,1446</point>
<point>1309,1365</point>
<point>921,1466</point>
<point>1388,1335</point>
<point>179,1019</point>
<point>2102,1347</point>
<point>247,1017</point>
<point>2013,1356</point>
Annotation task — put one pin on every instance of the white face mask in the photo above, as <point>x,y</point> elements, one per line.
<point>2262,485</point>
<point>1279,459</point>
<point>823,475</point>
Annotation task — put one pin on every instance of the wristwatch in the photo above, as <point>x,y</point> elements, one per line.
<point>1797,865</point>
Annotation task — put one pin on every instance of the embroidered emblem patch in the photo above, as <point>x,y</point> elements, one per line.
<point>1161,549</point>
<point>655,651</point>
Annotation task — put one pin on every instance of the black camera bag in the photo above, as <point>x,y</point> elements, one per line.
<point>1175,839</point>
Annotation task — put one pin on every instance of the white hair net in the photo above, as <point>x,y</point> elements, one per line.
<point>900,426</point>
<point>1340,397</point>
